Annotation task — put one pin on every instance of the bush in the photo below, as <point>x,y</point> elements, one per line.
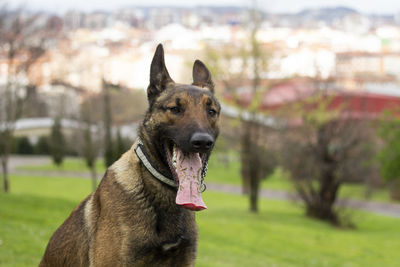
<point>42,147</point>
<point>23,146</point>
<point>57,143</point>
<point>389,156</point>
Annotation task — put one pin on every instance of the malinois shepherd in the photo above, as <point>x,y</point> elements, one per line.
<point>142,213</point>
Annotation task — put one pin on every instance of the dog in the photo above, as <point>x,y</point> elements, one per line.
<point>142,212</point>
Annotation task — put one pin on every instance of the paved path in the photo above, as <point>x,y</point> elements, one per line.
<point>388,209</point>
<point>16,161</point>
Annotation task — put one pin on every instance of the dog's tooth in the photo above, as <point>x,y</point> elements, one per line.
<point>174,154</point>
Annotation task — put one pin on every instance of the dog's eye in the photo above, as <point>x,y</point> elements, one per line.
<point>175,110</point>
<point>212,112</point>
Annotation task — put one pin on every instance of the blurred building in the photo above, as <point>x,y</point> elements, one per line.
<point>362,63</point>
<point>34,128</point>
<point>368,100</point>
<point>74,19</point>
<point>160,17</point>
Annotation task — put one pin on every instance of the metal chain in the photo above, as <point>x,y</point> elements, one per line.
<point>203,186</point>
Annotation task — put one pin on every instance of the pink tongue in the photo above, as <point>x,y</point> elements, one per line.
<point>188,168</point>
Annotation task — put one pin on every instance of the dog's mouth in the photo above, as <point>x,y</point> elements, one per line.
<point>188,170</point>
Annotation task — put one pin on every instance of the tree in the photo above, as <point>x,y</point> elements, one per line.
<point>254,167</point>
<point>323,151</point>
<point>34,106</point>
<point>389,155</point>
<point>107,122</point>
<point>42,146</point>
<point>24,146</point>
<point>89,147</point>
<point>22,42</point>
<point>90,151</point>
<point>120,145</point>
<point>257,160</point>
<point>111,146</point>
<point>57,142</point>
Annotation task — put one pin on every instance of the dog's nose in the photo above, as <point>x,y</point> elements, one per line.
<point>201,142</point>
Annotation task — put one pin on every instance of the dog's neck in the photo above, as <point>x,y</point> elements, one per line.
<point>150,166</point>
<point>154,156</point>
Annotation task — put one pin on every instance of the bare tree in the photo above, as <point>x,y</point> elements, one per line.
<point>252,164</point>
<point>257,161</point>
<point>110,151</point>
<point>90,143</point>
<point>22,43</point>
<point>107,123</point>
<point>327,149</point>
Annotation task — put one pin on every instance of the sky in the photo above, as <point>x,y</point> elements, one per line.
<point>60,6</point>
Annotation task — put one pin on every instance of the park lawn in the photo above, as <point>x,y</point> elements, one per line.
<point>223,172</point>
<point>31,212</point>
<point>228,234</point>
<point>281,236</point>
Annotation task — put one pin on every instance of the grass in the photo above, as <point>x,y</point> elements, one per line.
<point>229,235</point>
<point>31,213</point>
<point>281,236</point>
<point>226,170</point>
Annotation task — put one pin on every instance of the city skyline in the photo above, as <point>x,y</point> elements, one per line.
<point>283,6</point>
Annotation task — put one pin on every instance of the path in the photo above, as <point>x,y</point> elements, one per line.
<point>16,161</point>
<point>387,209</point>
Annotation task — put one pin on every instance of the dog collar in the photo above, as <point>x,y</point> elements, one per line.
<point>141,153</point>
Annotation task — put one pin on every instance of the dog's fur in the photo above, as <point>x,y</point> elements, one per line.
<point>132,219</point>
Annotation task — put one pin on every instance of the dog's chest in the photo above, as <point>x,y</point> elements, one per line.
<point>173,231</point>
<point>167,253</point>
<point>169,236</point>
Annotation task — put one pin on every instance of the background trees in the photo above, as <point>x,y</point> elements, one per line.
<point>90,149</point>
<point>323,151</point>
<point>90,136</point>
<point>57,142</point>
<point>23,41</point>
<point>233,66</point>
<point>389,155</point>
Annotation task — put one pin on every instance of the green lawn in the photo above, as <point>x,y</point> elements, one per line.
<point>31,213</point>
<point>281,236</point>
<point>229,235</point>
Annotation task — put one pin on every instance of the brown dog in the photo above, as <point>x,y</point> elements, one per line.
<point>141,214</point>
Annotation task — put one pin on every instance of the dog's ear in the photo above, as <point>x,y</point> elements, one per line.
<point>159,76</point>
<point>202,76</point>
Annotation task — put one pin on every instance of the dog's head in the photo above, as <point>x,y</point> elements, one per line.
<point>182,122</point>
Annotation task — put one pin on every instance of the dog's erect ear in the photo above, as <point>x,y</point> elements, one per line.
<point>202,76</point>
<point>159,76</point>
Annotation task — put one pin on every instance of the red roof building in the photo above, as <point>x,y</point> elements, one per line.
<point>358,104</point>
